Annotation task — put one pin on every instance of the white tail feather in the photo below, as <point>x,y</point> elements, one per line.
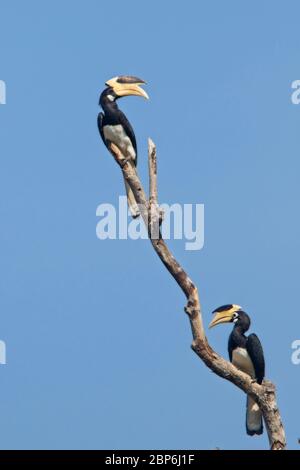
<point>133,207</point>
<point>254,422</point>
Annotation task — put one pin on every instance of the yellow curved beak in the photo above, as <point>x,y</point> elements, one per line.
<point>224,316</point>
<point>127,85</point>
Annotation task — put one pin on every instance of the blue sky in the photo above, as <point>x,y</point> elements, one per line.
<point>98,346</point>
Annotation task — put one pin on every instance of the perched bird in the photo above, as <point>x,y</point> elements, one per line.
<point>246,353</point>
<point>115,128</point>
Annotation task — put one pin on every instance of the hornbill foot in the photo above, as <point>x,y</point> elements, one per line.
<point>124,161</point>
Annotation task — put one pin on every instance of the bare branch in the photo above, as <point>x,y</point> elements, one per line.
<point>264,394</point>
<point>156,214</point>
<point>152,172</point>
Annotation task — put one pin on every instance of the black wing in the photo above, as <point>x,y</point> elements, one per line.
<point>129,131</point>
<point>120,118</point>
<point>255,351</point>
<point>100,126</point>
<point>230,347</point>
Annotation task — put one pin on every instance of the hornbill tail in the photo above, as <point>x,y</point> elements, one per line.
<point>254,422</point>
<point>132,204</point>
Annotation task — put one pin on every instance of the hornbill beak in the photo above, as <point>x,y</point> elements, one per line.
<point>224,316</point>
<point>126,85</point>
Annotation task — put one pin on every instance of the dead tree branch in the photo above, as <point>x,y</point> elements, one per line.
<point>264,394</point>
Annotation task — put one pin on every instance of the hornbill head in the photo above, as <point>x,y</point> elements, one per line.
<point>226,314</point>
<point>126,85</point>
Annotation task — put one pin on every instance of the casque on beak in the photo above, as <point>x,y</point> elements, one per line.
<point>224,316</point>
<point>126,85</point>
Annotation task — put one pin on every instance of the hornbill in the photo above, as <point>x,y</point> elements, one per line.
<point>115,128</point>
<point>246,353</point>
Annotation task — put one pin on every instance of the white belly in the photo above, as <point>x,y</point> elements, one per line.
<point>241,360</point>
<point>117,136</point>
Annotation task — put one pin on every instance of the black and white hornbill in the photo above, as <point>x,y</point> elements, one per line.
<point>115,128</point>
<point>246,353</point>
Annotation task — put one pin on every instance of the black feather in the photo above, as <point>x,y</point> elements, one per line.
<point>100,126</point>
<point>256,353</point>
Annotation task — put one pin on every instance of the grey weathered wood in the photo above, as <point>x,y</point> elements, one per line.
<point>264,394</point>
